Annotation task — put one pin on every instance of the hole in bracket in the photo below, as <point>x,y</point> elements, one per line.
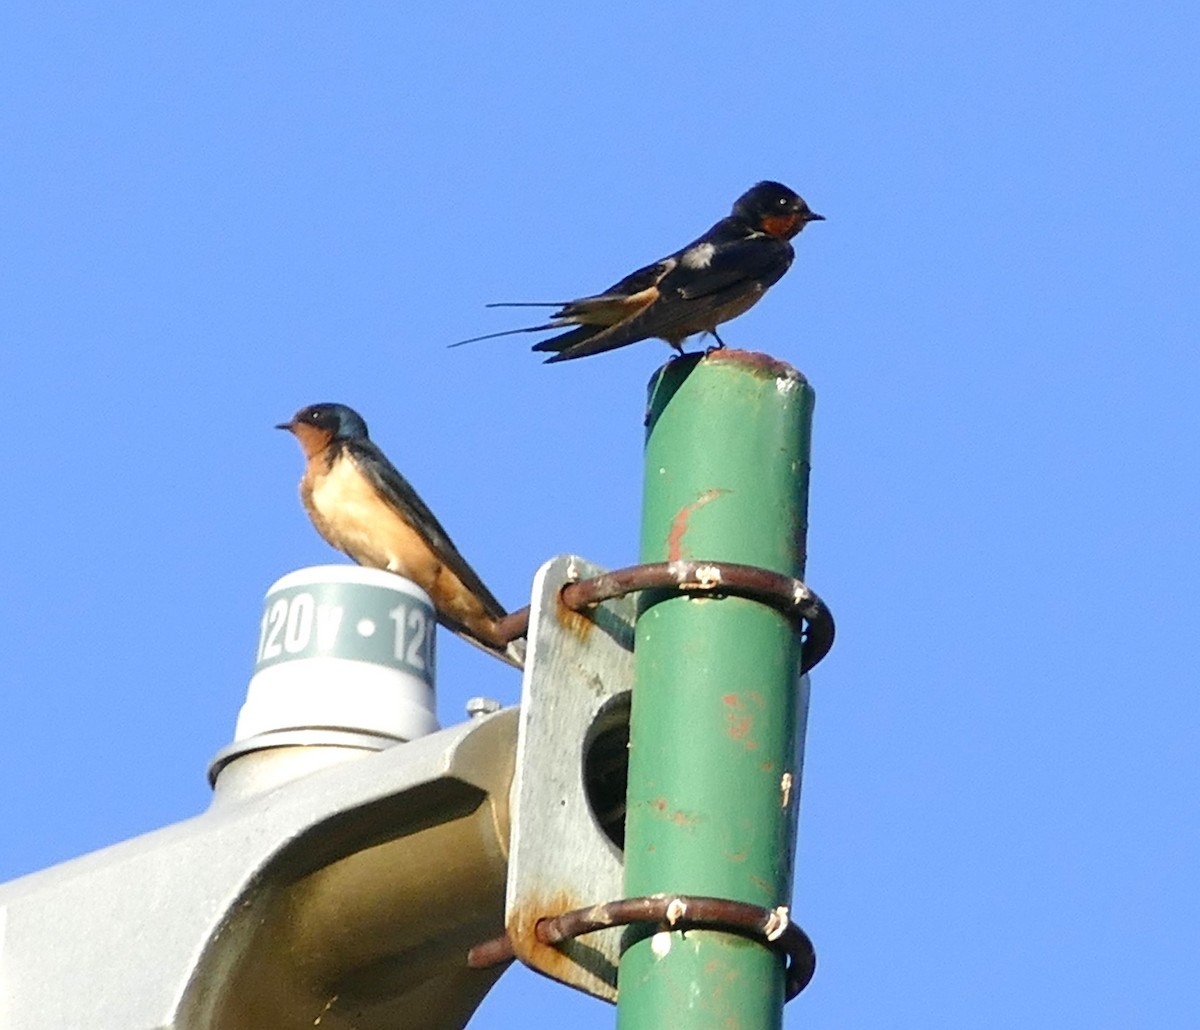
<point>606,767</point>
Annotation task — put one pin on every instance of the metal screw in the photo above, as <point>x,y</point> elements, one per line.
<point>477,707</point>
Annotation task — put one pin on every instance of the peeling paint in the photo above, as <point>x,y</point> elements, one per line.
<point>762,885</point>
<point>785,385</point>
<point>660,944</point>
<point>785,789</point>
<point>679,817</point>
<point>739,728</point>
<point>679,524</point>
<point>739,723</point>
<point>760,365</point>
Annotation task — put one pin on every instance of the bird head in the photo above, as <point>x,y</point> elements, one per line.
<point>319,424</point>
<point>772,208</point>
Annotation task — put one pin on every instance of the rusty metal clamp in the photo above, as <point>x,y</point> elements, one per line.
<point>770,927</point>
<point>783,593</point>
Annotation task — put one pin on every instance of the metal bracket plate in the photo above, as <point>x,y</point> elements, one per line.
<point>574,701</point>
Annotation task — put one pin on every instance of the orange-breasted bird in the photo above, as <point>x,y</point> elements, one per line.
<point>361,505</point>
<point>715,278</point>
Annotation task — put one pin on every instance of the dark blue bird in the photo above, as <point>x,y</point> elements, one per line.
<point>713,279</point>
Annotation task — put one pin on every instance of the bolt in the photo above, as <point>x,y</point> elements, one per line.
<point>477,707</point>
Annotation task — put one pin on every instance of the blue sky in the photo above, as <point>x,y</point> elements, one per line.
<point>212,215</point>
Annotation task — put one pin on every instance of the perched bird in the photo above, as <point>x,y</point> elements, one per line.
<point>362,506</point>
<point>713,279</point>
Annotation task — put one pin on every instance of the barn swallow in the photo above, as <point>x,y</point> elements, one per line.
<point>362,506</point>
<point>716,277</point>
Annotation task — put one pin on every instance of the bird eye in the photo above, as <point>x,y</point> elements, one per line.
<point>782,202</point>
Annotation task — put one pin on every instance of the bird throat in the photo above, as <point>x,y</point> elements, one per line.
<point>312,439</point>
<point>782,226</point>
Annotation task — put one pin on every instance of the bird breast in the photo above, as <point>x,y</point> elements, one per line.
<point>348,511</point>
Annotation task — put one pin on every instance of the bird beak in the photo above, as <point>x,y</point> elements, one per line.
<point>285,425</point>
<point>814,217</point>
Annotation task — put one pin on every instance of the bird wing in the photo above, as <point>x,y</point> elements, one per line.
<point>619,301</point>
<point>686,299</point>
<point>759,260</point>
<point>593,339</point>
<point>642,279</point>
<point>404,500</point>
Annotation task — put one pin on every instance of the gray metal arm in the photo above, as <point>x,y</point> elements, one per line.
<point>347,897</point>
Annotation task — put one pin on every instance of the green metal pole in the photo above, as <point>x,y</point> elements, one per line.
<point>717,723</point>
